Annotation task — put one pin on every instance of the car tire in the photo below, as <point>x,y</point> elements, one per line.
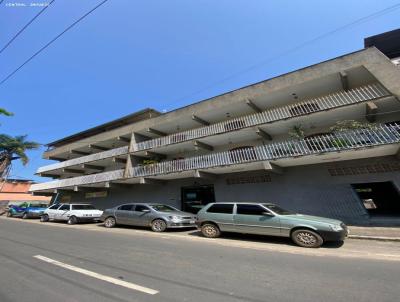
<point>307,238</point>
<point>25,216</point>
<point>210,230</point>
<point>110,222</point>
<point>158,225</point>
<point>9,214</point>
<point>72,220</point>
<point>44,218</point>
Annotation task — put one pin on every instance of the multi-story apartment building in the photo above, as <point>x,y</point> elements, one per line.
<point>286,140</point>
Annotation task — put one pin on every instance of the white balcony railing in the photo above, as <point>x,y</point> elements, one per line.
<point>379,135</point>
<point>85,159</point>
<point>341,141</point>
<point>79,180</point>
<point>334,100</point>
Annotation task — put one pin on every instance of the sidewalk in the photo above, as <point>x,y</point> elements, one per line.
<point>375,233</point>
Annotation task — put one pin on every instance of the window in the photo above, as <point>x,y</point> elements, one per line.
<point>141,208</point>
<point>64,207</point>
<point>54,206</point>
<point>126,207</point>
<point>221,208</point>
<point>250,209</point>
<point>83,207</point>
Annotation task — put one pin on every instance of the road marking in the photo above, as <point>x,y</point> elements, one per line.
<point>99,276</point>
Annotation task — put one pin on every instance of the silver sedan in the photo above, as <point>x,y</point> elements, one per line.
<point>157,216</point>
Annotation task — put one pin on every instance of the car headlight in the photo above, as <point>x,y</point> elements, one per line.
<point>175,218</point>
<point>336,227</point>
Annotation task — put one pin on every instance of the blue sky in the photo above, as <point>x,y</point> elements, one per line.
<point>130,54</point>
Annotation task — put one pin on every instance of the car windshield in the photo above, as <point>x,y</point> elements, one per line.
<point>277,210</point>
<point>163,208</point>
<point>83,207</point>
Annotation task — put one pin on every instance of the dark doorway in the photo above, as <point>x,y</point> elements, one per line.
<point>194,198</point>
<point>379,198</point>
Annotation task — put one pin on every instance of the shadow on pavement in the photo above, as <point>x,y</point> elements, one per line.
<point>231,236</point>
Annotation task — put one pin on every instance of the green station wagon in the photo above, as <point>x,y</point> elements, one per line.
<point>269,219</point>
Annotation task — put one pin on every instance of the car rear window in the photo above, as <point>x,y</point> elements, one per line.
<point>221,208</point>
<point>83,207</point>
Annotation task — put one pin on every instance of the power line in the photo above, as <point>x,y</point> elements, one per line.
<point>23,28</point>
<point>294,49</point>
<point>52,41</point>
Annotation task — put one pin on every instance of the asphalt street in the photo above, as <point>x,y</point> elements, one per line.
<point>55,262</point>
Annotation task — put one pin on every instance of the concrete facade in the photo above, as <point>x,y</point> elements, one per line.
<point>307,189</point>
<point>239,143</point>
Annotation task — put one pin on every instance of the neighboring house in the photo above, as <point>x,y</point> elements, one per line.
<point>16,191</point>
<point>236,146</point>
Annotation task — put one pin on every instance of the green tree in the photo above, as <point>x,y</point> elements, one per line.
<point>14,148</point>
<point>5,112</point>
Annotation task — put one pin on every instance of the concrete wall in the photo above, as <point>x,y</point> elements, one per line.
<point>372,59</point>
<point>306,189</point>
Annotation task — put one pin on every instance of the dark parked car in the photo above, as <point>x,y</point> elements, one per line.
<point>269,219</point>
<point>157,216</point>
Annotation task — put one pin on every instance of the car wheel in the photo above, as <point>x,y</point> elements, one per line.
<point>109,222</point>
<point>72,220</point>
<point>44,218</point>
<point>210,230</point>
<point>9,214</point>
<point>25,216</point>
<point>307,238</point>
<point>158,225</point>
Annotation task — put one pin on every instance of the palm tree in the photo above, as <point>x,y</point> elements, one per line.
<point>13,148</point>
<point>5,112</point>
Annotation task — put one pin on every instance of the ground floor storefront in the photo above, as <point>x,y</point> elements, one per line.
<point>356,191</point>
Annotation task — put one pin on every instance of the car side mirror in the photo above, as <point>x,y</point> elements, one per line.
<point>268,214</point>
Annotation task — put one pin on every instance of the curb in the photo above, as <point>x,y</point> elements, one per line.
<point>380,238</point>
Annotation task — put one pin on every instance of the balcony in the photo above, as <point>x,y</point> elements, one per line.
<point>85,159</point>
<point>80,180</point>
<point>286,153</point>
<point>335,100</point>
<point>328,143</point>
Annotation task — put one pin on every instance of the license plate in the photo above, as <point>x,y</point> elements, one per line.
<point>192,221</point>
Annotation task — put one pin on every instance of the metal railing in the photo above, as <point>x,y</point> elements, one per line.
<point>79,180</point>
<point>379,135</point>
<point>335,142</point>
<point>85,159</point>
<point>334,100</point>
<point>318,104</point>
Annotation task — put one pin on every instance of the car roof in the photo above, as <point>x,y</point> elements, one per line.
<point>141,203</point>
<point>264,203</point>
<point>71,204</point>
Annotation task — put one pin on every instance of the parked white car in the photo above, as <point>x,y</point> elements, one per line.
<point>72,213</point>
